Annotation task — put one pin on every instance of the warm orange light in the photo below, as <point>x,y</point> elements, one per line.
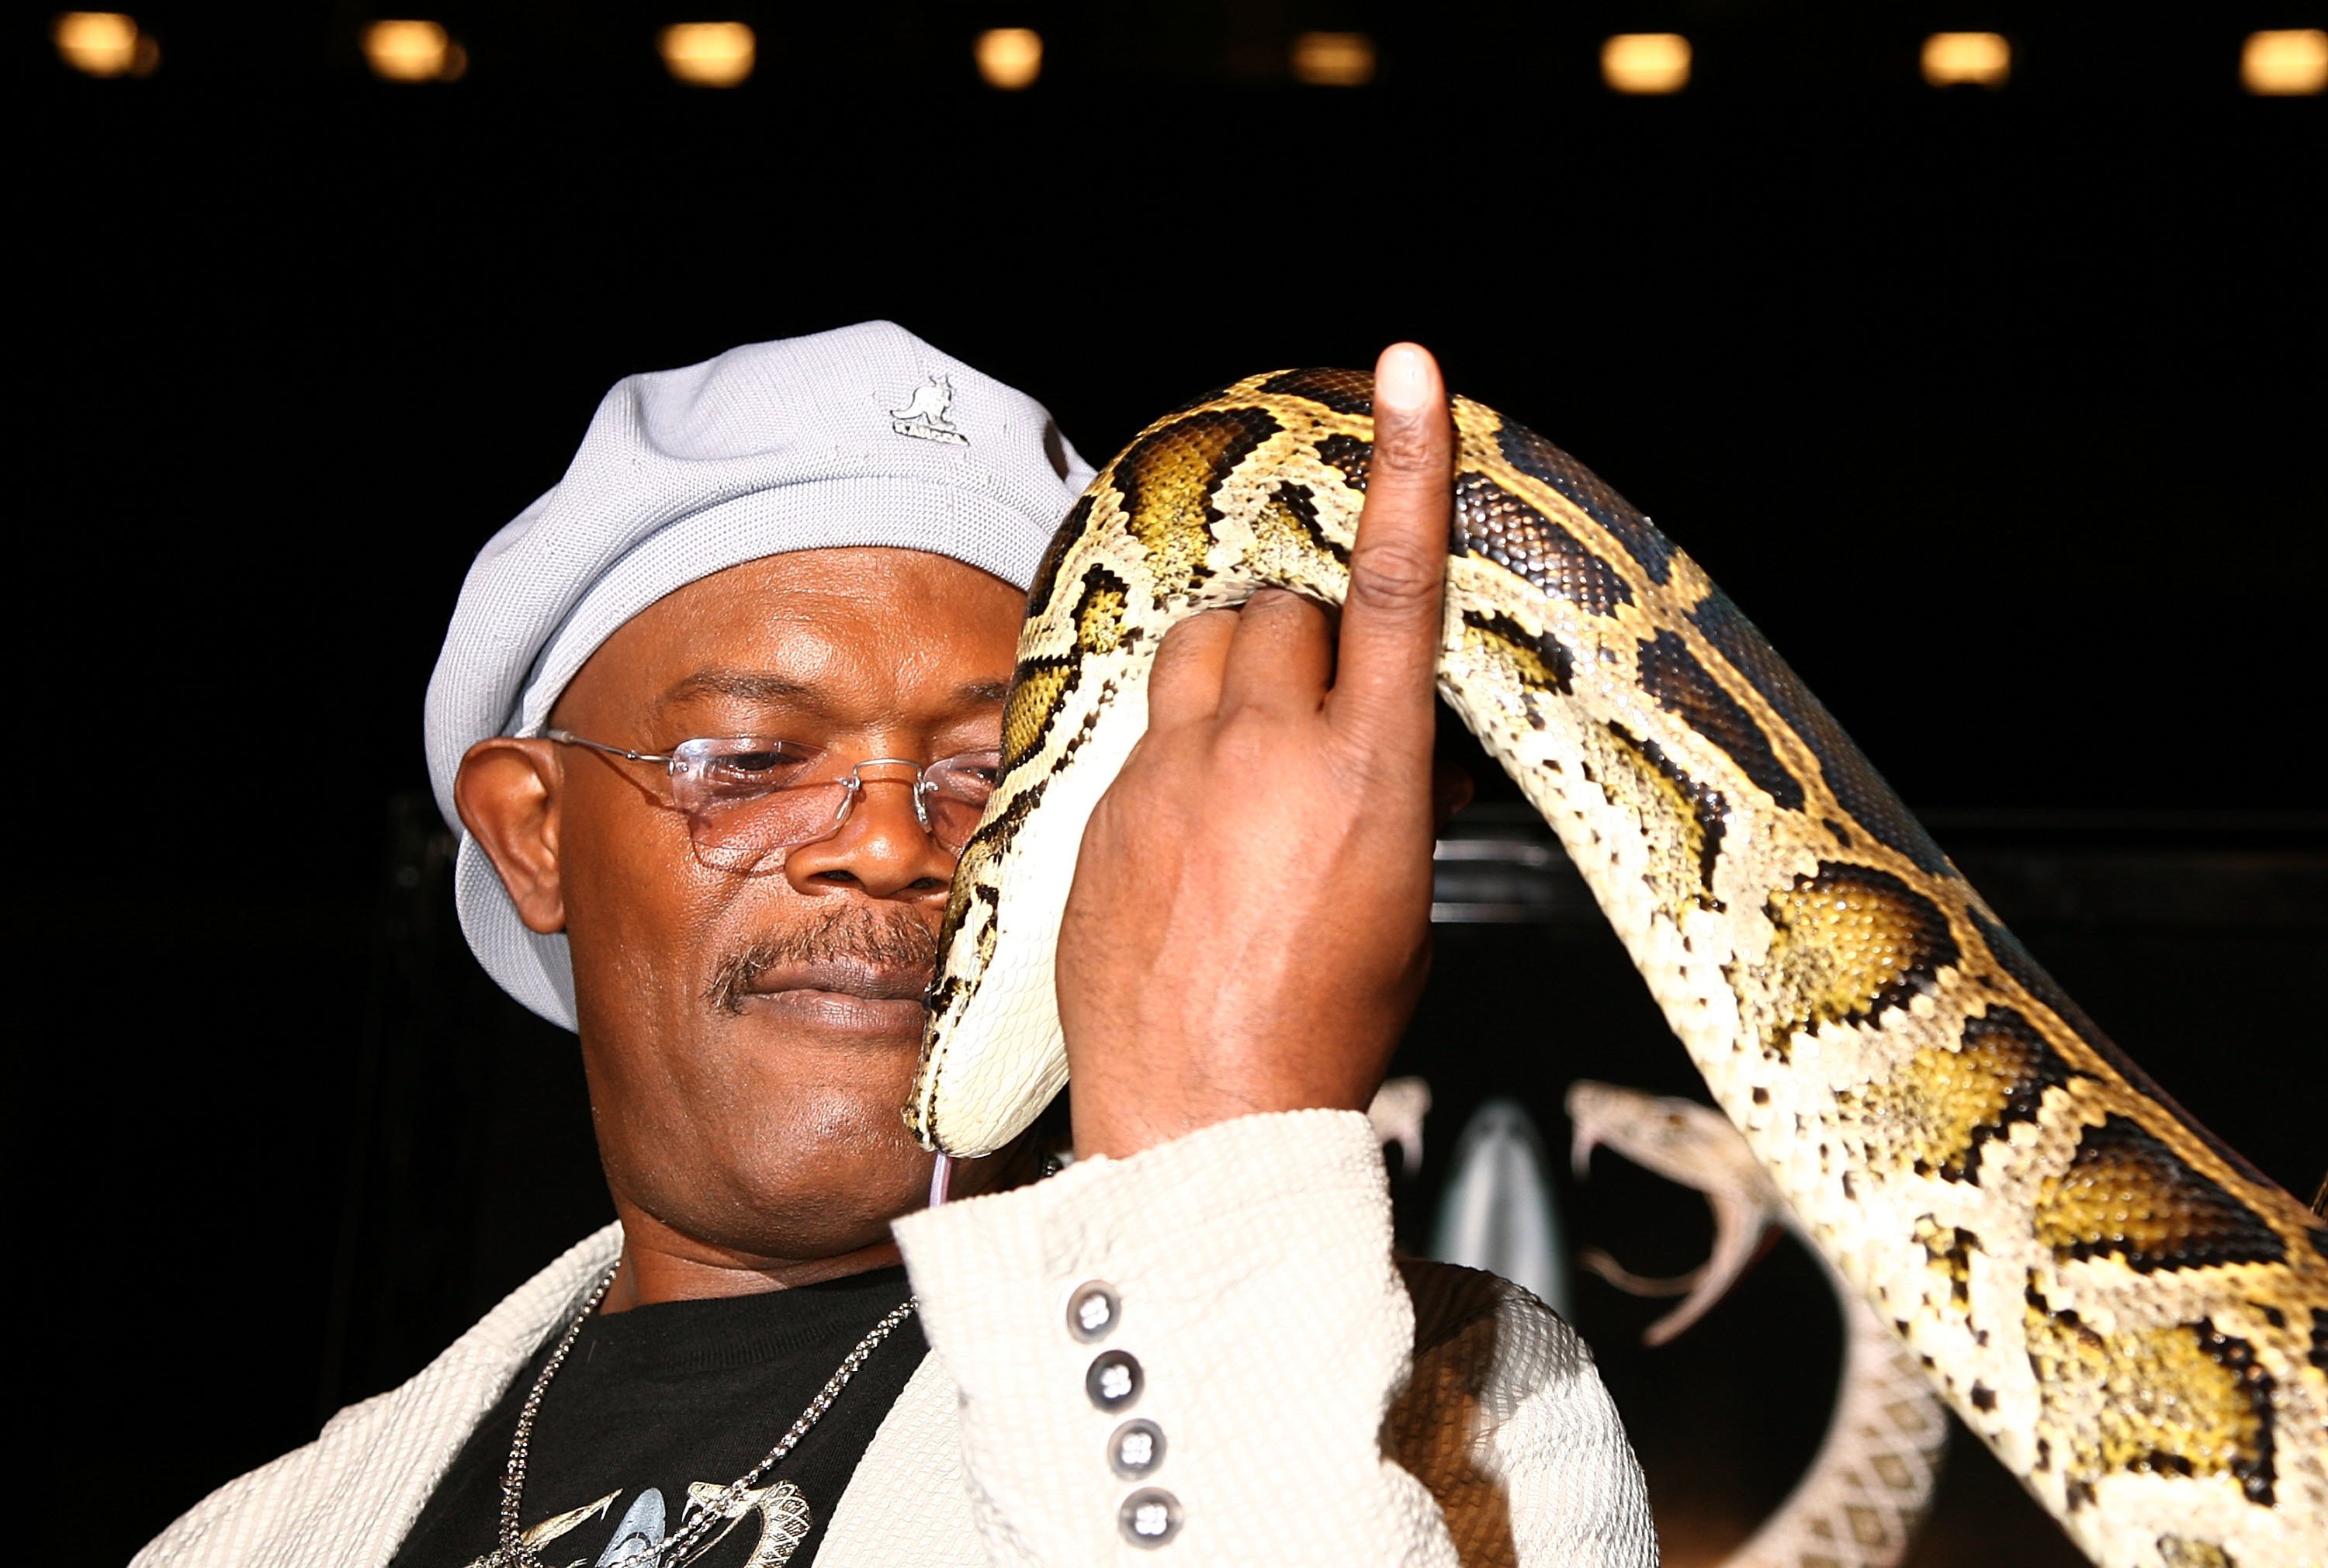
<point>2285,62</point>
<point>1968,60</point>
<point>1333,59</point>
<point>410,50</point>
<point>1010,58</point>
<point>1646,62</point>
<point>708,54</point>
<point>99,42</point>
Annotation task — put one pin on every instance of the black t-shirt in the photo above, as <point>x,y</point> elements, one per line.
<point>658,1409</point>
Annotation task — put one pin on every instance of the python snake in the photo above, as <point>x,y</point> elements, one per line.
<point>2130,1315</point>
<point>1869,1487</point>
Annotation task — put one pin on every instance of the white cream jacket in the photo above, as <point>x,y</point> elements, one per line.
<point>1318,1404</point>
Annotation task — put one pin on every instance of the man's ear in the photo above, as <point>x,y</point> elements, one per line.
<point>507,793</point>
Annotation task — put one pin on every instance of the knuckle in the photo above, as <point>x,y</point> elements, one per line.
<point>1395,577</point>
<point>1202,624</point>
<point>1285,607</point>
<point>1247,745</point>
<point>1183,640</point>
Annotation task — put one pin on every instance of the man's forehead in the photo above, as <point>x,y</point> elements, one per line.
<point>840,598</point>
<point>844,632</point>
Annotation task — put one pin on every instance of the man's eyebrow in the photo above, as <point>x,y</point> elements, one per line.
<point>744,685</point>
<point>759,686</point>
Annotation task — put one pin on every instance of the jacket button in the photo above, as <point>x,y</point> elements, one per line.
<point>1091,1311</point>
<point>1114,1381</point>
<point>1136,1448</point>
<point>1150,1517</point>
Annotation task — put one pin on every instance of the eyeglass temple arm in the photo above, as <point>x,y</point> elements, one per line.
<point>568,738</point>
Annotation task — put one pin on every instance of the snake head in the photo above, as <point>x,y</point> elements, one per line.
<point>1696,1147</point>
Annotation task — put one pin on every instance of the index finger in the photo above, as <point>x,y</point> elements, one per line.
<point>1388,669</point>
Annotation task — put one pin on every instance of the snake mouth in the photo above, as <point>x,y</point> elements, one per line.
<point>1586,1104</point>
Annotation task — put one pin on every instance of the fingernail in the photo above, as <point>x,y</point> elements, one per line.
<point>1403,379</point>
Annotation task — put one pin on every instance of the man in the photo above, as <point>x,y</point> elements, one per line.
<point>710,715</point>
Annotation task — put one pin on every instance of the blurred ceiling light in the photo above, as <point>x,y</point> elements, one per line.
<point>2285,62</point>
<point>1010,58</point>
<point>1333,59</point>
<point>1646,62</point>
<point>1968,60</point>
<point>409,50</point>
<point>708,54</point>
<point>104,44</point>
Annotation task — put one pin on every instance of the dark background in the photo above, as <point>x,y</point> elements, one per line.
<point>1999,410</point>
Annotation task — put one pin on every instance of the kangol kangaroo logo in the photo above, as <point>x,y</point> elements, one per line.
<point>923,417</point>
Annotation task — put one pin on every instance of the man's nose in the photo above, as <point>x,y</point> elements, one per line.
<point>881,847</point>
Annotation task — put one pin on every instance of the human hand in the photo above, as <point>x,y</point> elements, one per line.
<point>1250,923</point>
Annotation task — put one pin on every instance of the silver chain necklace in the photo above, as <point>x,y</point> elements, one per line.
<point>515,1554</point>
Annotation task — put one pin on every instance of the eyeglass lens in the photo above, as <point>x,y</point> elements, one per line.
<point>746,800</point>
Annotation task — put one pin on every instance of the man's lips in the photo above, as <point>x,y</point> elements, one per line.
<point>838,997</point>
<point>843,977</point>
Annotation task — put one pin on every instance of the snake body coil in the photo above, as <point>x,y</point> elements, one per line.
<point>2131,1317</point>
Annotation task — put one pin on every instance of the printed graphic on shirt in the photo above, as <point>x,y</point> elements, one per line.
<point>779,1514</point>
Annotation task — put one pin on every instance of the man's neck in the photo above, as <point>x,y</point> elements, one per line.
<point>662,1262</point>
<point>659,1265</point>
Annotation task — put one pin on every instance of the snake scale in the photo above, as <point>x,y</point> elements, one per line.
<point>2131,1316</point>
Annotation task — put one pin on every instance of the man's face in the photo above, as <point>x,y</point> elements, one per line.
<point>749,1039</point>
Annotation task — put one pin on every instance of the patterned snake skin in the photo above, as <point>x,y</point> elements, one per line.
<point>1868,1489</point>
<point>2133,1318</point>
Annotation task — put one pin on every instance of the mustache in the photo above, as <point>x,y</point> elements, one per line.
<point>894,940</point>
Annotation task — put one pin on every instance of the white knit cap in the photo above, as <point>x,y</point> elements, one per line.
<point>862,436</point>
